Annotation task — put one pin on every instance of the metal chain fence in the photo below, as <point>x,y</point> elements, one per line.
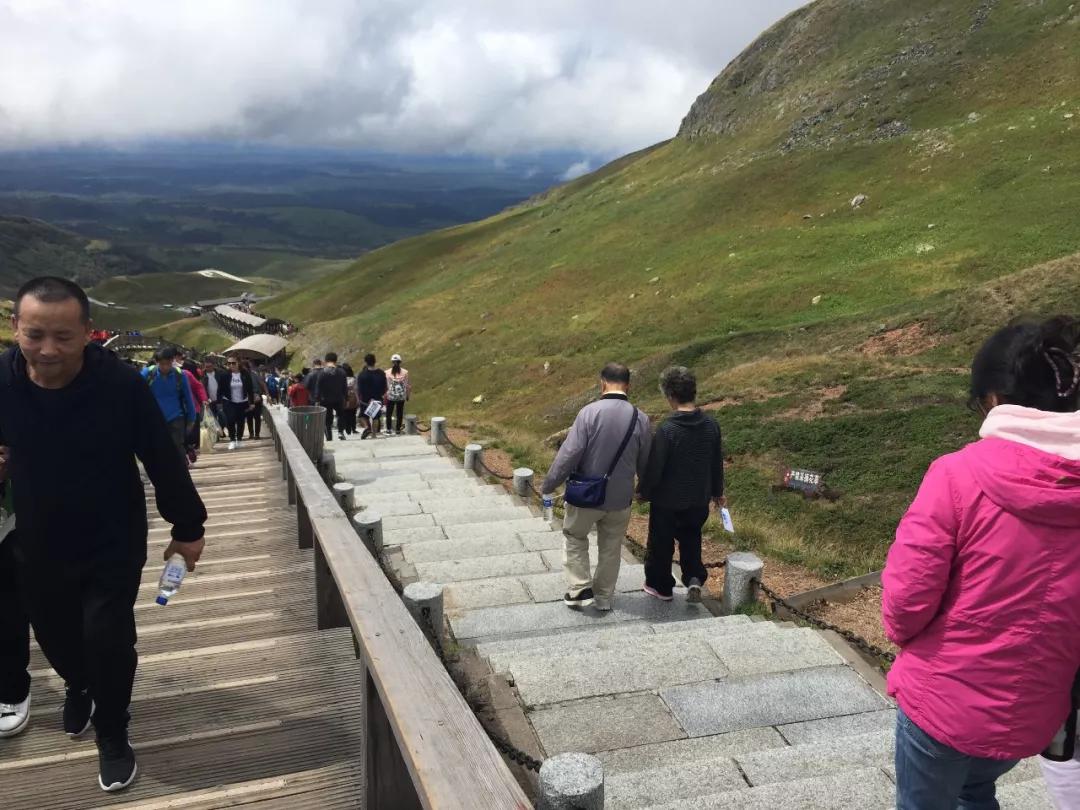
<point>849,636</point>
<point>503,745</point>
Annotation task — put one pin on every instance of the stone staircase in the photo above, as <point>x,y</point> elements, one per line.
<point>677,703</point>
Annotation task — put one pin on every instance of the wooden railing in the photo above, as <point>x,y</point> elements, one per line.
<point>424,747</point>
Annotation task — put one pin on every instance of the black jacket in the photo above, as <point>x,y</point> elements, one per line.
<point>224,386</point>
<point>371,384</point>
<point>331,386</point>
<point>73,451</point>
<point>686,466</point>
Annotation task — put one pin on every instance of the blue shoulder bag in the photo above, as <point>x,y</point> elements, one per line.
<point>590,492</point>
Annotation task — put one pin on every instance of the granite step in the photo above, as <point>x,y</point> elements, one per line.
<point>872,750</point>
<point>780,698</point>
<point>502,653</point>
<point>831,728</point>
<point>652,756</point>
<point>416,520</point>
<point>643,789</point>
<point>499,623</point>
<point>466,517</point>
<point>508,659</point>
<point>440,550</point>
<point>467,530</point>
<point>650,664</point>
<point>864,789</point>
<point>492,500</point>
<point>1029,795</point>
<point>502,565</point>
<point>659,661</point>
<point>399,537</point>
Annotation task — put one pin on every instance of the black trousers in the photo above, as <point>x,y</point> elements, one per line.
<point>254,422</point>
<point>393,408</point>
<point>666,527</point>
<point>348,420</point>
<point>14,632</point>
<point>332,409</point>
<point>84,619</point>
<point>234,419</point>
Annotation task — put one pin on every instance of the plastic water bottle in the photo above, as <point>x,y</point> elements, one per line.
<point>549,507</point>
<point>171,578</point>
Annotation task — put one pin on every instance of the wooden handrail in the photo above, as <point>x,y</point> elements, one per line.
<point>425,746</point>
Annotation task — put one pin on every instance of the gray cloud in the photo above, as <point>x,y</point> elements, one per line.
<point>487,76</point>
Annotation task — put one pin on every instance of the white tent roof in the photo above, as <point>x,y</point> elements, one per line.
<point>232,313</point>
<point>265,345</point>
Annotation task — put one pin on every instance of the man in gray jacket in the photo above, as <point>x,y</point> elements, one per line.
<point>589,449</point>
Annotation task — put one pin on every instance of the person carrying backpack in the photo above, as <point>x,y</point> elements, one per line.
<point>982,584</point>
<point>171,389</point>
<point>398,391</point>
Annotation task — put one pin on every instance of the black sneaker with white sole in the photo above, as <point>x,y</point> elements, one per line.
<point>78,712</point>
<point>583,599</point>
<point>116,762</point>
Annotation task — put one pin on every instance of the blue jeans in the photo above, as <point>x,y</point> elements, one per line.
<point>932,776</point>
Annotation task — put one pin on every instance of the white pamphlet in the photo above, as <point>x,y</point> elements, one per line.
<point>725,516</point>
<point>373,410</point>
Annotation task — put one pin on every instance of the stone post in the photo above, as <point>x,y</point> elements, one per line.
<point>345,495</point>
<point>438,430</point>
<point>571,782</point>
<point>328,467</point>
<point>472,455</point>
<point>410,425</point>
<point>421,596</point>
<point>741,573</point>
<point>523,478</point>
<point>368,525</point>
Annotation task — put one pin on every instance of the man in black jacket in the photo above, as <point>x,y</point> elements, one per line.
<point>80,546</point>
<point>685,471</point>
<point>331,389</point>
<point>371,387</point>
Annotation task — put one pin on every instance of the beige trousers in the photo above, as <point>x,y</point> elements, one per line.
<point>611,531</point>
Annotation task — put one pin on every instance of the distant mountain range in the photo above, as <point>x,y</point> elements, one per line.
<point>30,247</point>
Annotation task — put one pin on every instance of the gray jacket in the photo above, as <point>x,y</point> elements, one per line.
<point>592,444</point>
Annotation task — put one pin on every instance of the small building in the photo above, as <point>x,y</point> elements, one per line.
<point>262,349</point>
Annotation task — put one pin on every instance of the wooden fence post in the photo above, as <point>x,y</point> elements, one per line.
<point>329,608</point>
<point>389,783</point>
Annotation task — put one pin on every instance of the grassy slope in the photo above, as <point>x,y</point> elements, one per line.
<point>720,223</point>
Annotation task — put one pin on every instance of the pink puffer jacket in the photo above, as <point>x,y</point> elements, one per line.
<point>982,588</point>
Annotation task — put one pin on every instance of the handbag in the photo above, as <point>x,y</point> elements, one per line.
<point>590,491</point>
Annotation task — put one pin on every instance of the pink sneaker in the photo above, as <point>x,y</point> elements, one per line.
<point>653,592</point>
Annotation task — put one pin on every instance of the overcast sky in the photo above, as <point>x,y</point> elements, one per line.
<point>492,77</point>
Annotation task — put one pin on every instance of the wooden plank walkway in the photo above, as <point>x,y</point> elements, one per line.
<point>239,700</point>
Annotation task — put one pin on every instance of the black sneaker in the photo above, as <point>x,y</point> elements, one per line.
<point>116,763</point>
<point>693,591</point>
<point>583,599</point>
<point>78,711</point>
<point>366,434</point>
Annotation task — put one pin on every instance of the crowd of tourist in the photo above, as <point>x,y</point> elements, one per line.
<point>981,586</point>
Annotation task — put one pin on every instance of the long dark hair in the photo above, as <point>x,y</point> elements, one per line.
<point>1030,364</point>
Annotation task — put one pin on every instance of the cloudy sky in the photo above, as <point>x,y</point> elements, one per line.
<point>491,77</point>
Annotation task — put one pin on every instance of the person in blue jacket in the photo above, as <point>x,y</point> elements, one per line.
<point>170,388</point>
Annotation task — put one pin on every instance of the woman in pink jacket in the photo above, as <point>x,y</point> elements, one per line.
<point>982,585</point>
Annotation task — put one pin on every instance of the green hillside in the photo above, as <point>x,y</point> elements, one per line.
<point>30,247</point>
<point>824,334</point>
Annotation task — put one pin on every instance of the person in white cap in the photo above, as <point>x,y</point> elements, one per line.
<point>398,391</point>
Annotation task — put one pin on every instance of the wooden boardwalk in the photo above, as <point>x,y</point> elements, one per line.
<point>239,701</point>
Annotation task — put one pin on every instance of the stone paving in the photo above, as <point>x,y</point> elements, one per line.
<point>678,704</point>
